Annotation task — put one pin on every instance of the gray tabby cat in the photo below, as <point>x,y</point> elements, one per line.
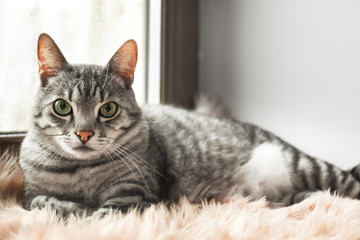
<point>92,147</point>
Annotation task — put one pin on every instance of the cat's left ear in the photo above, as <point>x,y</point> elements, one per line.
<point>123,63</point>
<point>50,58</point>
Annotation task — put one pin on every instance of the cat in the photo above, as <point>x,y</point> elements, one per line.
<point>91,147</point>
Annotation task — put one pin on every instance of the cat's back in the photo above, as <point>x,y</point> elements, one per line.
<point>184,124</point>
<point>190,130</point>
<point>199,149</point>
<point>170,118</point>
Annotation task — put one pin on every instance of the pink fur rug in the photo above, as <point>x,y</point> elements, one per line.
<point>324,217</point>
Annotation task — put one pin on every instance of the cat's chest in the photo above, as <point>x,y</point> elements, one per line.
<point>86,183</point>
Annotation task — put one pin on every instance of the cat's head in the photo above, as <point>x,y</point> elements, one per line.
<point>83,110</point>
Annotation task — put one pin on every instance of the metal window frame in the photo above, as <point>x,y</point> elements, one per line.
<point>179,52</point>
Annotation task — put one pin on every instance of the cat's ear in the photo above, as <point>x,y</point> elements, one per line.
<point>50,58</point>
<point>123,63</point>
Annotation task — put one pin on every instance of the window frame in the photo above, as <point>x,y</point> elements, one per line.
<point>179,52</point>
<point>10,138</point>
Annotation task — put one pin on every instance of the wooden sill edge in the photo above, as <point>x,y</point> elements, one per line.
<point>12,137</point>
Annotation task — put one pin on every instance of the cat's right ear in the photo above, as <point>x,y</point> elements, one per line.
<point>50,58</point>
<point>123,62</point>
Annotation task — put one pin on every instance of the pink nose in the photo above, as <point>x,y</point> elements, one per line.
<point>84,135</point>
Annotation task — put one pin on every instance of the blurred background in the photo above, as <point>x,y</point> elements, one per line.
<point>291,67</point>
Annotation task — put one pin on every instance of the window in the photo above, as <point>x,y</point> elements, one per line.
<point>90,31</point>
<point>86,32</point>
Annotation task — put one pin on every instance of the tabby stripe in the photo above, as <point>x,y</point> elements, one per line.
<point>53,169</point>
<point>78,88</point>
<point>345,176</point>
<point>42,128</point>
<point>101,92</point>
<point>182,123</point>
<point>130,181</point>
<point>349,188</point>
<point>331,178</point>
<point>70,93</point>
<point>133,192</point>
<point>127,137</point>
<point>131,126</point>
<point>266,135</point>
<point>129,112</point>
<point>121,171</point>
<point>110,182</point>
<point>354,173</point>
<point>292,199</point>
<point>251,135</point>
<point>358,195</point>
<point>135,115</point>
<point>315,173</point>
<point>304,180</point>
<point>295,159</point>
<point>38,115</point>
<point>97,163</point>
<point>94,90</point>
<point>56,120</point>
<point>86,90</point>
<point>70,169</point>
<point>195,141</point>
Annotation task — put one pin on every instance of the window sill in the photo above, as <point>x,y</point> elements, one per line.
<point>12,136</point>
<point>8,139</point>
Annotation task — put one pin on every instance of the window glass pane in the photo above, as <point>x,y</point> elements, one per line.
<point>87,31</point>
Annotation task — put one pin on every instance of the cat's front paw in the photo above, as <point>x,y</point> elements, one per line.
<point>102,212</point>
<point>117,205</point>
<point>39,202</point>
<point>62,208</point>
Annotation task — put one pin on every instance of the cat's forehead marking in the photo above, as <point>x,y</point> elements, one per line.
<point>85,83</point>
<point>86,92</point>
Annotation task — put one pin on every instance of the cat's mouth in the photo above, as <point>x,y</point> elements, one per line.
<point>85,152</point>
<point>84,149</point>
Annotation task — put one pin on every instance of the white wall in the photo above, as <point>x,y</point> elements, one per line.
<point>292,67</point>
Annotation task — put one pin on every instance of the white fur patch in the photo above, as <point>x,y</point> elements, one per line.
<point>266,173</point>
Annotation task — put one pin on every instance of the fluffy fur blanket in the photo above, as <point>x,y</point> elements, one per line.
<point>324,217</point>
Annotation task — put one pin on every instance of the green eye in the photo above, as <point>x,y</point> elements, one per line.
<point>62,107</point>
<point>108,110</point>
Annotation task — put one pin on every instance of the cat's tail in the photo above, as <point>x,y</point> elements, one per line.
<point>212,106</point>
<point>355,172</point>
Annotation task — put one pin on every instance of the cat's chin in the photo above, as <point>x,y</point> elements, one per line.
<point>82,153</point>
<point>85,153</point>
<point>84,149</point>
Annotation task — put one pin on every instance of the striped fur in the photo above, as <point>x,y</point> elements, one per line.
<point>146,155</point>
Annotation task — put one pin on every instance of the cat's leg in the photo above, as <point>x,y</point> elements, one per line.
<point>62,208</point>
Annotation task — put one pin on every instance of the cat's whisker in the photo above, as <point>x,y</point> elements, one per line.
<point>121,156</point>
<point>116,164</point>
<point>54,154</point>
<point>56,135</point>
<point>125,159</point>
<point>128,157</point>
<point>140,160</point>
<point>42,151</point>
